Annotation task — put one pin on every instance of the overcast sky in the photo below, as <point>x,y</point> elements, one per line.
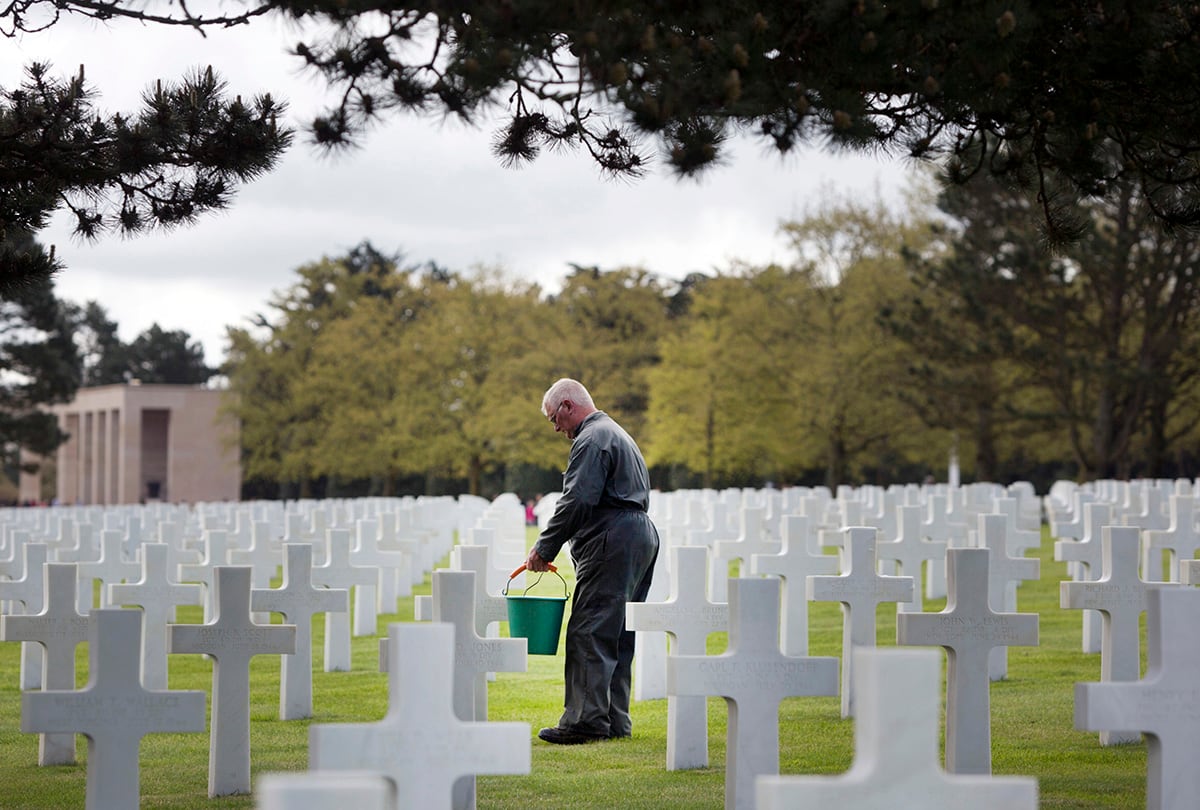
<point>427,188</point>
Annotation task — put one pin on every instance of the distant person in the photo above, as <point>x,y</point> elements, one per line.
<point>602,512</point>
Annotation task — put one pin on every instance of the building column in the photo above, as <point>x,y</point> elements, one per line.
<point>100,457</point>
<point>130,454</point>
<point>68,473</point>
<point>114,457</point>
<point>87,443</point>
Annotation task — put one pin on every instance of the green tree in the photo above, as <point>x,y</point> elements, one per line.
<point>846,390</point>
<point>268,367</point>
<point>39,364</point>
<point>1080,342</point>
<point>158,356</point>
<point>962,375</point>
<point>473,371</point>
<point>358,373</point>
<point>180,155</point>
<point>154,356</point>
<point>103,356</point>
<point>608,324</point>
<point>719,399</point>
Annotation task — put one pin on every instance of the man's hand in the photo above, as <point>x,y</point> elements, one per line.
<point>535,563</point>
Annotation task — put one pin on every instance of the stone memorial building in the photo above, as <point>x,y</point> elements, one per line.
<point>137,443</point>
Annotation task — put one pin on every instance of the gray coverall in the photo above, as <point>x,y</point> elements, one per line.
<point>602,511</point>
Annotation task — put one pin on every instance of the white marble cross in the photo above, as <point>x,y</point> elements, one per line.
<point>650,646</point>
<point>939,529</point>
<point>968,628</point>
<point>12,541</point>
<point>474,657</point>
<point>216,551</point>
<point>263,555</point>
<point>59,627</point>
<point>420,744</point>
<point>688,617</point>
<point>232,638</point>
<point>1004,573</point>
<point>367,553</point>
<point>1083,556</point>
<point>896,750</point>
<point>114,711</point>
<point>339,572</point>
<point>158,596</point>
<point>1180,541</point>
<point>1163,705</point>
<point>1119,595</point>
<point>324,790</point>
<point>860,589</point>
<point>27,587</point>
<point>1017,540</point>
<point>794,564</point>
<point>108,567</point>
<point>753,676</point>
<point>298,600</point>
<point>490,610</point>
<point>753,539</point>
<point>910,550</point>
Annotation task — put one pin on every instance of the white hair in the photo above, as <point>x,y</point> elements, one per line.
<point>562,390</point>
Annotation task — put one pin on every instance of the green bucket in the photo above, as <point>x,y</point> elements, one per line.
<point>538,619</point>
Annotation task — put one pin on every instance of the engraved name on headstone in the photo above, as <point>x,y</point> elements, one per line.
<point>114,711</point>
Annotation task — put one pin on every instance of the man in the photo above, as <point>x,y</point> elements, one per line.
<point>602,511</point>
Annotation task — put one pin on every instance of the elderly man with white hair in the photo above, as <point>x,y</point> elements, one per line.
<point>602,512</point>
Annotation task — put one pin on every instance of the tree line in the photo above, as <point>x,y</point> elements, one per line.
<point>890,340</point>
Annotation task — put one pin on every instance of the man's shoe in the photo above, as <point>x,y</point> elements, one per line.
<point>564,736</point>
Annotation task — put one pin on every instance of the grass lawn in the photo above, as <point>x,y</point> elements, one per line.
<point>1032,727</point>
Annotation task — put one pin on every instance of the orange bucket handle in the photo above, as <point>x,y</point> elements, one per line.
<point>521,568</point>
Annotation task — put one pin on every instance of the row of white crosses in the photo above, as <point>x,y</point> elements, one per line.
<point>230,636</point>
<point>116,688</point>
<point>1161,704</point>
<point>423,747</point>
<point>58,610</point>
<point>755,672</point>
<point>969,626</point>
<point>914,539</point>
<point>435,737</point>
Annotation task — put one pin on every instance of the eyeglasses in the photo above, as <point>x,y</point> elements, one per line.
<point>553,417</point>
